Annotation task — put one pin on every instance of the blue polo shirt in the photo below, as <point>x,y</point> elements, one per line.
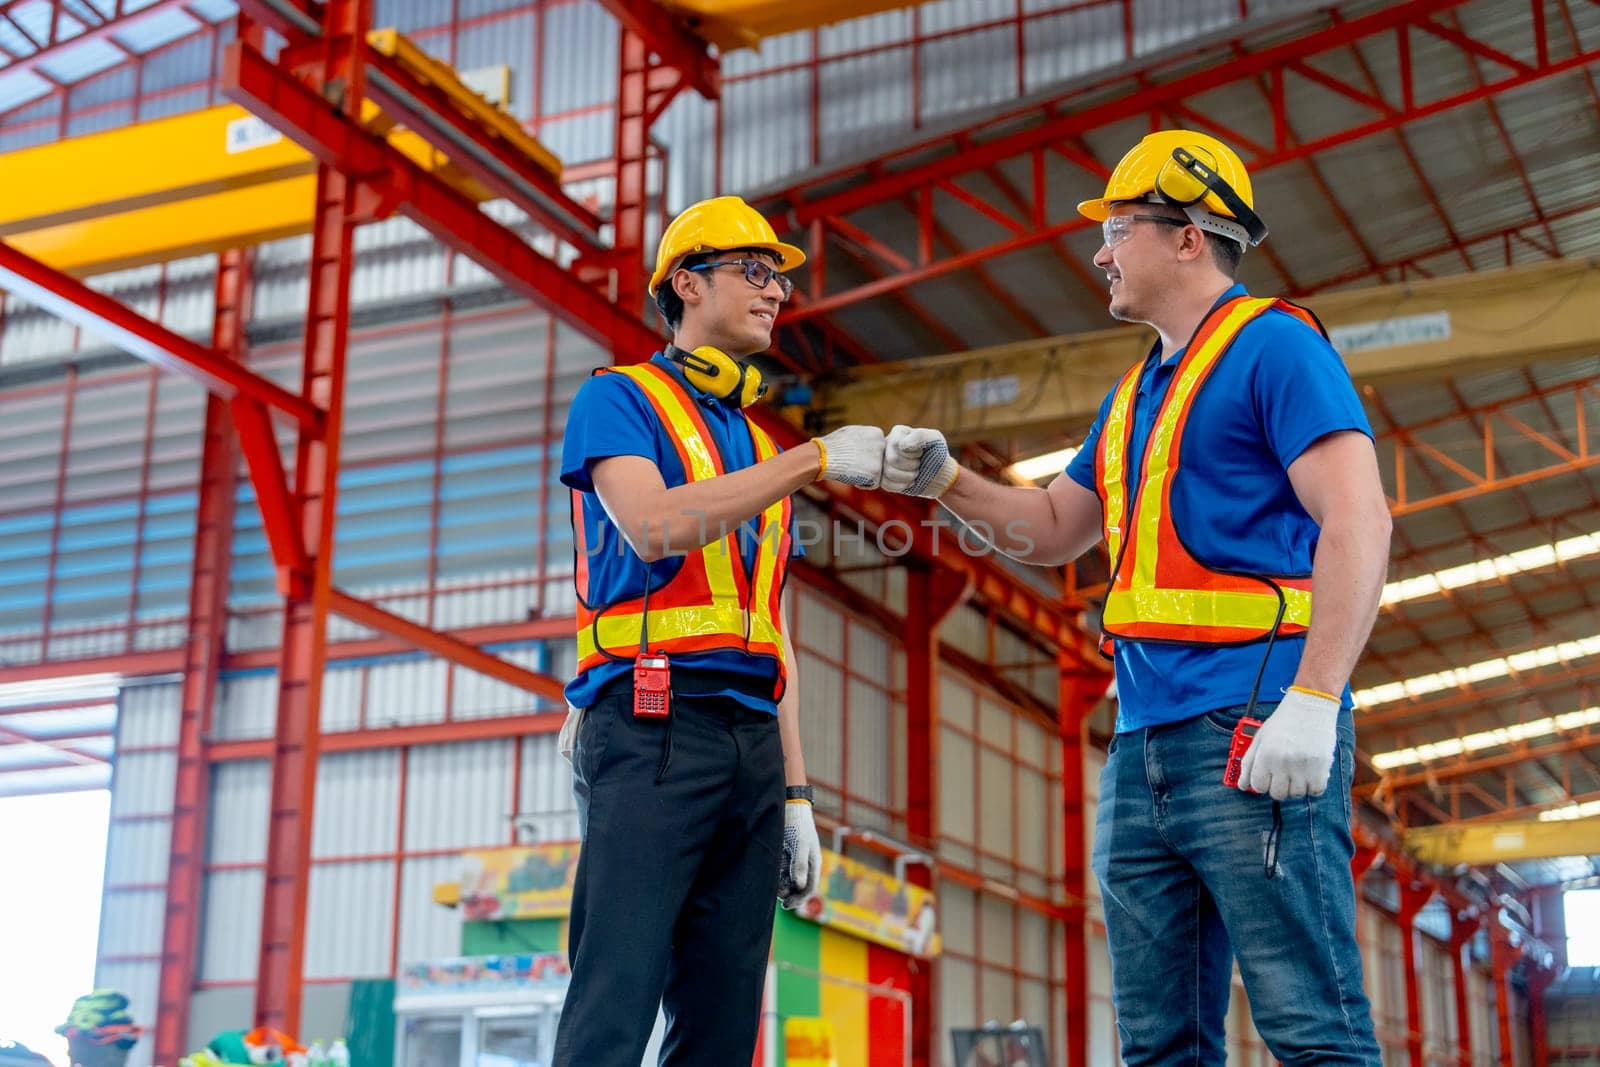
<point>611,417</point>
<point>1276,391</point>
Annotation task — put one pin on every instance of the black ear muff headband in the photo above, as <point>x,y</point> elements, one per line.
<point>1209,181</point>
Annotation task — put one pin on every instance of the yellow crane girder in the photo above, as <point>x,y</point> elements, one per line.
<point>1417,330</point>
<point>1497,842</point>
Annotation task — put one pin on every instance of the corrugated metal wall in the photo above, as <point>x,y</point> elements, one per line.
<point>133,912</point>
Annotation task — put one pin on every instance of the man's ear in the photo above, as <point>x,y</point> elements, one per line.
<point>687,284</point>
<point>1192,243</point>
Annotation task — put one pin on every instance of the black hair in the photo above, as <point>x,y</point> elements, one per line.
<point>1226,253</point>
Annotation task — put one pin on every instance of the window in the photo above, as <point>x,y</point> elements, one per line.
<point>1583,927</point>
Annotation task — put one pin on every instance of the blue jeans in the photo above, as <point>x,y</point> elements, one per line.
<point>1182,863</point>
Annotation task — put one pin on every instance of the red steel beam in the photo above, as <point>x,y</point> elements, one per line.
<point>1502,959</point>
<point>387,180</point>
<point>432,114</point>
<point>632,143</point>
<point>444,645</point>
<point>1456,243</point>
<point>1435,771</point>
<point>71,300</point>
<point>669,39</point>
<point>1462,931</point>
<point>1413,896</point>
<point>1078,692</point>
<point>435,733</point>
<point>1430,709</point>
<point>60,745</point>
<point>202,658</point>
<point>930,597</point>
<point>296,738</point>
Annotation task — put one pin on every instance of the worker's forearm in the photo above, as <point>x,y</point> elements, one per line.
<point>1347,575</point>
<point>1023,519</point>
<point>689,516</point>
<point>794,760</point>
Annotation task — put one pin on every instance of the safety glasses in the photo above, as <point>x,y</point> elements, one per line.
<point>1118,228</point>
<point>756,272</point>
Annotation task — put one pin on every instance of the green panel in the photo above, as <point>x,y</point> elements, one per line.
<point>798,942</point>
<point>369,1028</point>
<point>512,937</point>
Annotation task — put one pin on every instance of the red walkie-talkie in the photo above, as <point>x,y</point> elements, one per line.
<point>1243,734</point>
<point>652,685</point>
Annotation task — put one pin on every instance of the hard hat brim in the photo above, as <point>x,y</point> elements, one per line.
<point>789,255</point>
<point>1095,210</point>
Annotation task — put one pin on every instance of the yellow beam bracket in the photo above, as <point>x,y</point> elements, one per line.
<point>1497,842</point>
<point>444,77</point>
<point>1433,329</point>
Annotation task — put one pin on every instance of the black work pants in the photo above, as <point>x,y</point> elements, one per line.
<point>673,901</point>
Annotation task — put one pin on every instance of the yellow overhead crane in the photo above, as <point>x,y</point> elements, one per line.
<point>1500,842</point>
<point>1424,330</point>
<point>731,24</point>
<point>208,180</point>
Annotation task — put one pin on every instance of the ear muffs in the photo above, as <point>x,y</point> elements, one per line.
<point>1185,179</point>
<point>721,375</point>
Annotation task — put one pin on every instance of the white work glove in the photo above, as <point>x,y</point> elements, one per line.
<point>853,455</point>
<point>917,462</point>
<point>567,739</point>
<point>1292,752</point>
<point>802,855</point>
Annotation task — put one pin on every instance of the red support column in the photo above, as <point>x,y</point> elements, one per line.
<point>307,595</point>
<point>203,648</point>
<point>305,618</point>
<point>1078,694</point>
<point>1413,896</point>
<point>1539,980</point>
<point>1360,863</point>
<point>930,596</point>
<point>1461,935</point>
<point>633,129</point>
<point>1504,956</point>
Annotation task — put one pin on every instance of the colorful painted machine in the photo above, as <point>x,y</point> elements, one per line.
<point>839,985</point>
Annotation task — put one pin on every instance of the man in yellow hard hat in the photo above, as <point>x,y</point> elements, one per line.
<point>684,736</point>
<point>1232,475</point>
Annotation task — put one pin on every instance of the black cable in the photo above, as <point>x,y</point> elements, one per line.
<point>1269,854</point>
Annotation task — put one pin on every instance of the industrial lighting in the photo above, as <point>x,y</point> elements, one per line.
<point>1487,570</point>
<point>1036,467</point>
<point>1571,811</point>
<point>1482,671</point>
<point>1500,735</point>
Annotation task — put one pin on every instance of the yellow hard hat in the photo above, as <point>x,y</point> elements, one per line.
<point>1188,170</point>
<point>718,225</point>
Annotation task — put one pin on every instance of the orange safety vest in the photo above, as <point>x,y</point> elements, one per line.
<point>714,602</point>
<point>1158,590</point>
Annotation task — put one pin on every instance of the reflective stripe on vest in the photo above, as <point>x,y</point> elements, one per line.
<point>702,607</point>
<point>1159,591</point>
